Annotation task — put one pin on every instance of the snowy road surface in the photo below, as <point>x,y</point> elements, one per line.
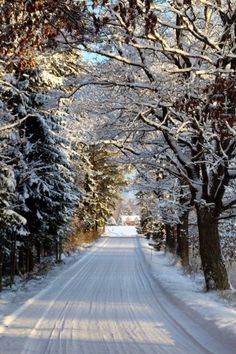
<point>108,302</point>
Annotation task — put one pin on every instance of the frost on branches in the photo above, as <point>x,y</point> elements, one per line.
<point>37,175</point>
<point>182,88</point>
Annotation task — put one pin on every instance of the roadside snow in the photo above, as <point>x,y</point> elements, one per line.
<point>107,302</point>
<point>170,274</point>
<point>23,290</point>
<point>190,290</point>
<point>159,301</point>
<point>120,231</point>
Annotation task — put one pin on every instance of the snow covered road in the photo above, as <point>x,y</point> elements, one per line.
<point>108,302</point>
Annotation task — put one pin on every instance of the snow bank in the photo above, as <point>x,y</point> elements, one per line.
<point>120,231</point>
<point>23,292</point>
<point>190,291</point>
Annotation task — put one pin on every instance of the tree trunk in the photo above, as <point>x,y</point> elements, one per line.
<point>60,249</point>
<point>29,260</point>
<point>170,239</point>
<point>38,248</point>
<point>21,262</point>
<point>182,240</point>
<point>12,259</point>
<point>1,262</point>
<point>215,273</point>
<point>56,250</point>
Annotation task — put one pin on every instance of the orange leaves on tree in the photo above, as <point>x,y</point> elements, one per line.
<point>222,99</point>
<point>30,26</point>
<point>216,103</point>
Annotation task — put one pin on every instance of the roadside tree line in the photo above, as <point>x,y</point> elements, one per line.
<point>161,88</point>
<point>58,185</point>
<point>169,70</point>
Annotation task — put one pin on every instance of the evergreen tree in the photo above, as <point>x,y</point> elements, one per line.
<point>49,191</point>
<point>33,151</point>
<point>102,184</point>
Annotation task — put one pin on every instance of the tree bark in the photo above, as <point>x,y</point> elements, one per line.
<point>1,262</point>
<point>170,239</point>
<point>215,273</point>
<point>12,259</point>
<point>29,260</point>
<point>182,240</point>
<point>56,250</point>
<point>38,248</point>
<point>60,249</point>
<point>21,262</point>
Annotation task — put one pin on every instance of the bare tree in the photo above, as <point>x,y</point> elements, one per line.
<point>178,63</point>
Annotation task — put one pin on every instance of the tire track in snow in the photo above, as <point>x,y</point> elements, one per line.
<point>106,303</point>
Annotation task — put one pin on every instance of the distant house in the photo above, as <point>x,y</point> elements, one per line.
<point>131,220</point>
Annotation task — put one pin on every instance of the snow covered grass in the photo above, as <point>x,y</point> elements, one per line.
<point>79,239</point>
<point>217,307</point>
